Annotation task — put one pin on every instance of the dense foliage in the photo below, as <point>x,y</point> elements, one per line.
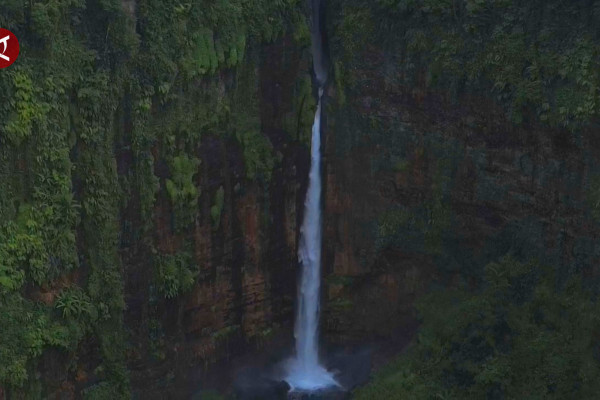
<point>98,82</point>
<point>102,81</point>
<point>539,59</point>
<point>516,329</point>
<point>524,336</point>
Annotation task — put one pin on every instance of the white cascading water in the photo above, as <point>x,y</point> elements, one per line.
<point>304,372</point>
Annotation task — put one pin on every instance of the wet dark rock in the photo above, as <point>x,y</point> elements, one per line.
<point>325,394</point>
<point>252,384</point>
<point>351,369</point>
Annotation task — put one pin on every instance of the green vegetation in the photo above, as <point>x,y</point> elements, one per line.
<point>175,274</point>
<point>100,391</point>
<point>258,155</point>
<point>225,333</point>
<point>522,336</point>
<point>538,59</point>
<point>422,227</point>
<point>100,95</point>
<point>299,124</point>
<point>102,126</point>
<point>183,191</point>
<point>28,329</point>
<point>74,303</point>
<point>516,329</point>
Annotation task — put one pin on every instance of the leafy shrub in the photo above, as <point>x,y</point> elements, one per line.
<point>27,330</point>
<point>102,391</point>
<point>259,157</point>
<point>525,54</point>
<point>75,303</point>
<point>175,274</point>
<point>182,190</point>
<point>93,85</point>
<point>27,109</point>
<point>521,337</point>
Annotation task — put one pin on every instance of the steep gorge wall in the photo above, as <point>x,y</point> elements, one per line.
<point>434,170</point>
<point>153,159</point>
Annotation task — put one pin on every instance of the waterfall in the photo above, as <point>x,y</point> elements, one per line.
<point>305,372</point>
<point>310,258</point>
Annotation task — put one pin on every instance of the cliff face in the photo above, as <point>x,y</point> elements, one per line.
<point>426,184</point>
<point>438,199</point>
<point>244,293</point>
<point>153,161</point>
<point>153,165</point>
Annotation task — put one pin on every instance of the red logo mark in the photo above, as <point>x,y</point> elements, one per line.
<point>9,48</point>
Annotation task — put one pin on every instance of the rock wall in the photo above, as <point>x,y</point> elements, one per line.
<point>426,186</point>
<point>245,293</point>
<point>153,160</point>
<point>153,165</point>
